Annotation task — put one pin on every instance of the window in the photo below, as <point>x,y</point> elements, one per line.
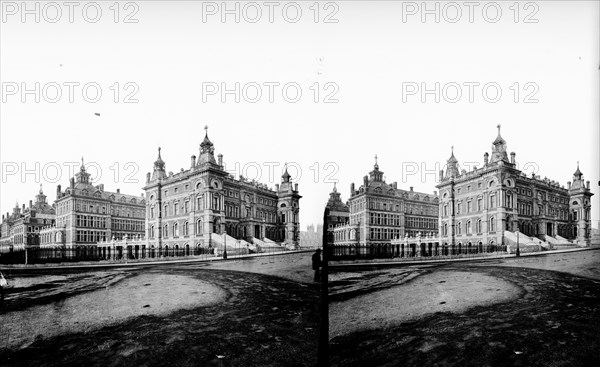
<point>479,205</point>
<point>175,208</point>
<point>166,231</point>
<point>478,229</point>
<point>492,224</point>
<point>186,207</point>
<point>176,230</point>
<point>199,226</point>
<point>469,206</point>
<point>445,210</point>
<point>459,228</point>
<point>492,201</point>
<point>469,228</point>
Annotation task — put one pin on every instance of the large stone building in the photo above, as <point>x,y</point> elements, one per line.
<point>488,207</point>
<point>339,215</point>
<point>380,213</point>
<point>87,214</point>
<point>205,208</point>
<point>23,227</point>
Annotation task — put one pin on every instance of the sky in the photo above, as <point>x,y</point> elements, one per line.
<point>323,88</point>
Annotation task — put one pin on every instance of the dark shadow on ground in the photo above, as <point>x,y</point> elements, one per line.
<point>265,321</point>
<point>555,323</point>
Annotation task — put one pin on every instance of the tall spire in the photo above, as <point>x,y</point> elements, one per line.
<point>376,165</point>
<point>41,190</point>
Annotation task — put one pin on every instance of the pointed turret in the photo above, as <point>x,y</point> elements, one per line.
<point>376,174</point>
<point>286,175</point>
<point>207,150</point>
<point>577,175</point>
<point>159,168</point>
<point>452,165</point>
<point>82,177</point>
<point>499,153</point>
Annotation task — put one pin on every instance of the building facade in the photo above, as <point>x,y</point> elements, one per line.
<point>497,205</point>
<point>339,216</point>
<point>380,213</point>
<point>204,206</point>
<point>87,214</point>
<point>22,228</point>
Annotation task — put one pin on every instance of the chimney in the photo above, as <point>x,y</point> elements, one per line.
<point>569,185</point>
<point>118,191</point>
<point>587,184</point>
<point>435,192</point>
<point>395,185</point>
<point>220,159</point>
<point>148,177</point>
<point>441,174</point>
<point>485,159</point>
<point>411,188</point>
<point>58,190</point>
<point>72,182</point>
<point>366,181</point>
<point>296,186</point>
<point>23,208</point>
<point>512,157</point>
<point>352,189</point>
<point>193,161</point>
<point>30,204</point>
<point>277,187</point>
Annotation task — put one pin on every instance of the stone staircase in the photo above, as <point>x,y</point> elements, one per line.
<point>560,243</point>
<point>526,244</point>
<point>234,246</point>
<point>266,245</point>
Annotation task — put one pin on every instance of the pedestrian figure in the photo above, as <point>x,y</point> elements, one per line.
<point>3,284</point>
<point>316,264</point>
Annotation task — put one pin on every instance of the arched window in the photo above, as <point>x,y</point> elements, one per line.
<point>469,228</point>
<point>166,231</point>
<point>199,226</point>
<point>478,226</point>
<point>492,224</point>
<point>459,228</point>
<point>186,229</point>
<point>176,229</point>
<point>152,232</point>
<point>199,203</point>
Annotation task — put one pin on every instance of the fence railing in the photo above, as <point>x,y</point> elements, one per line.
<point>412,253</point>
<point>58,255</point>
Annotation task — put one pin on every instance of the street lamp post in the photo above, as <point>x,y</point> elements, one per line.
<point>518,251</point>
<point>225,245</point>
